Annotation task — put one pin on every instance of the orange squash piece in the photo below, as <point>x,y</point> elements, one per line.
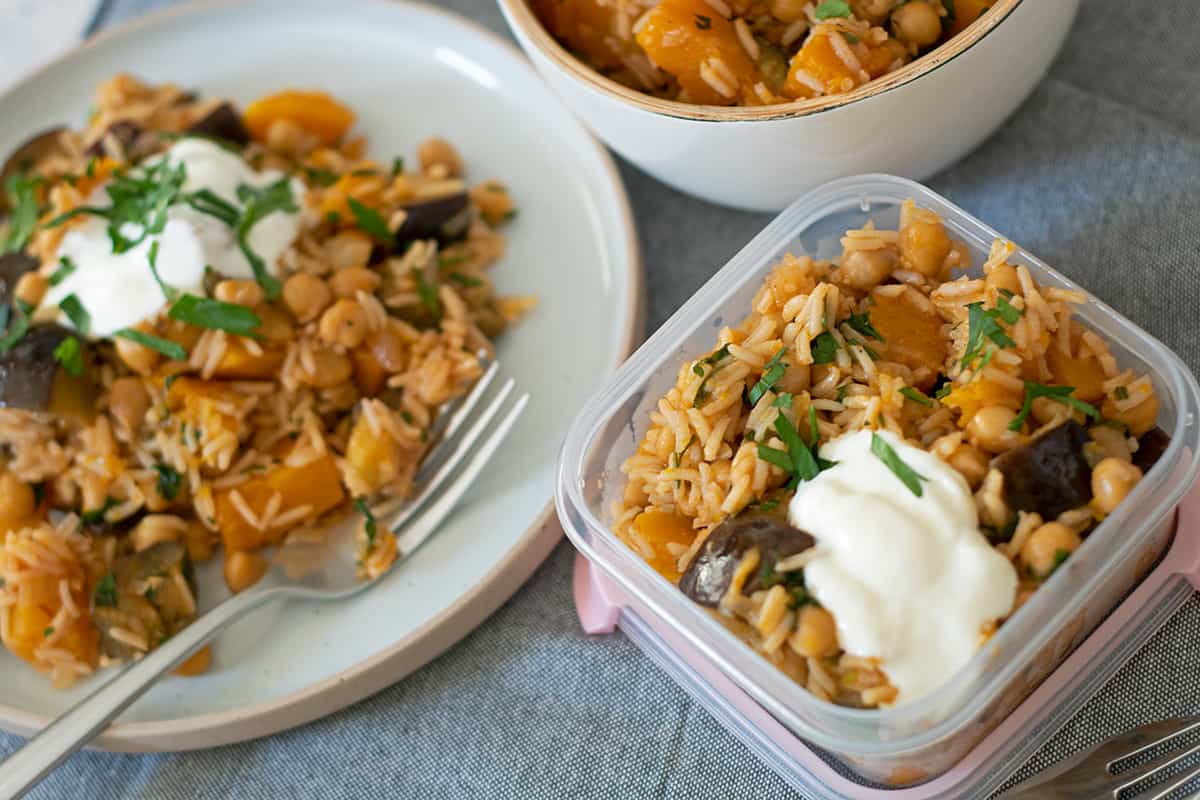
<point>687,38</point>
<point>200,403</point>
<point>316,484</point>
<point>366,189</point>
<point>659,529</point>
<point>966,12</point>
<point>819,60</point>
<point>586,27</point>
<point>29,622</point>
<point>239,363</point>
<point>316,112</point>
<point>912,335</point>
<point>982,392</point>
<point>1085,374</point>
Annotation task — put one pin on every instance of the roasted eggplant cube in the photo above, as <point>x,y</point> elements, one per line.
<point>708,576</point>
<point>31,377</point>
<point>1048,475</point>
<point>223,122</point>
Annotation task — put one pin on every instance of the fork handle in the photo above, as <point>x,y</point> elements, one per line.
<point>62,737</point>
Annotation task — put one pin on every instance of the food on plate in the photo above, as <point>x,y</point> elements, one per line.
<point>220,327</point>
<point>882,462</point>
<point>752,52</point>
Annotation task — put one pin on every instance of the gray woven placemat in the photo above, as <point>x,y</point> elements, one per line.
<point>1098,173</point>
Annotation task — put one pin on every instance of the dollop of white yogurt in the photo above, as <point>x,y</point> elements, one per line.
<point>910,580</point>
<point>118,289</point>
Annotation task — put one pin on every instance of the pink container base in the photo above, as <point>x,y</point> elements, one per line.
<point>602,607</point>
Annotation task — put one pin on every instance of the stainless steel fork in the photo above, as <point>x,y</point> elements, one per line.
<point>1090,775</point>
<point>325,570</point>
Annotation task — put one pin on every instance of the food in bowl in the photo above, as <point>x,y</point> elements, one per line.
<point>883,462</point>
<point>221,327</point>
<point>752,52</point>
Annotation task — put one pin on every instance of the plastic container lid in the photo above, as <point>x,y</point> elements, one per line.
<point>922,739</point>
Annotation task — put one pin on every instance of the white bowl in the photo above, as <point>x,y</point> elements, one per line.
<point>911,122</point>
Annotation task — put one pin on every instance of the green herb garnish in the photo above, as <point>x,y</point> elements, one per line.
<point>69,353</point>
<point>1060,556</point>
<point>169,293</point>
<point>370,526</point>
<point>169,481</point>
<point>65,267</point>
<point>1121,393</point>
<point>370,221</point>
<point>22,198</point>
<point>46,633</point>
<point>257,205</point>
<point>466,280</point>
<point>916,396</point>
<point>397,166</point>
<point>907,475</point>
<point>983,326</point>
<point>204,312</point>
<point>1060,393</point>
<point>75,312</point>
<point>862,324</point>
<point>833,8</point>
<point>321,177</point>
<point>772,372</point>
<point>105,594</point>
<point>712,360</point>
<point>18,326</point>
<point>824,348</point>
<point>96,515</point>
<point>799,460</point>
<point>166,347</point>
<point>428,294</point>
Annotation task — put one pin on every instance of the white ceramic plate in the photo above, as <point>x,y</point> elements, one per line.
<point>410,72</point>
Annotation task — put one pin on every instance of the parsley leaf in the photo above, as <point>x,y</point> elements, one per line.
<point>916,396</point>
<point>982,325</point>
<point>712,360</point>
<point>824,348</point>
<point>169,481</point>
<point>169,293</point>
<point>862,324</point>
<point>166,347</point>
<point>75,312</point>
<point>22,197</point>
<point>833,8</point>
<point>204,312</point>
<point>772,372</point>
<point>799,459</point>
<point>96,515</point>
<point>257,205</point>
<point>69,353</point>
<point>17,328</point>
<point>907,475</point>
<point>105,594</point>
<point>370,221</point>
<point>1062,394</point>
<point>428,293</point>
<point>465,280</point>
<point>65,267</point>
<point>370,526</point>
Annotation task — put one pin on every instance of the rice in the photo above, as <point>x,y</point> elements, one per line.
<point>698,460</point>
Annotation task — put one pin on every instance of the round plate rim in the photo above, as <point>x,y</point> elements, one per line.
<point>405,656</point>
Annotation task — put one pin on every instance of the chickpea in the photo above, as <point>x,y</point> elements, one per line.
<point>988,429</point>
<point>155,528</point>
<point>332,368</point>
<point>344,323</point>
<point>197,664</point>
<point>239,292</point>
<point>1004,276</point>
<point>17,502</point>
<point>288,137</point>
<point>31,288</point>
<point>917,22</point>
<point>1140,418</point>
<point>970,463</point>
<point>128,402</point>
<point>1046,410</point>
<point>347,282</point>
<point>243,569</point>
<point>1043,550</point>
<point>388,348</point>
<point>1111,443</point>
<point>1112,480</point>
<point>816,633</point>
<point>350,248</point>
<point>924,243</point>
<point>493,201</point>
<point>438,155</point>
<point>274,323</point>
<point>139,358</point>
<point>788,10</point>
<point>306,296</point>
<point>199,542</point>
<point>866,269</point>
<point>873,11</point>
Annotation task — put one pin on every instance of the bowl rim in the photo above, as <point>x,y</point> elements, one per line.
<point>529,29</point>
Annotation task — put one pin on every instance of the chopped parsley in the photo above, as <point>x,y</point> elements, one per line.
<point>767,506</point>
<point>784,400</point>
<point>712,360</point>
<point>703,22</point>
<point>370,221</point>
<point>907,475</point>
<point>96,515</point>
<point>321,177</point>
<point>333,217</point>
<point>1060,393</point>
<point>1002,534</point>
<point>22,197</point>
<point>17,328</point>
<point>842,391</point>
<point>799,460</point>
<point>983,327</point>
<point>370,526</point>
<point>916,396</point>
<point>204,312</point>
<point>65,267</point>
<point>69,353</point>
<point>75,312</point>
<point>862,324</point>
<point>257,205</point>
<point>428,294</point>
<point>792,581</point>
<point>105,594</point>
<point>397,166</point>
<point>833,8</point>
<point>1060,556</point>
<point>1121,393</point>
<point>465,280</point>
<point>169,293</point>
<point>772,372</point>
<point>824,348</point>
<point>46,634</point>
<point>169,481</point>
<point>1007,311</point>
<point>166,347</point>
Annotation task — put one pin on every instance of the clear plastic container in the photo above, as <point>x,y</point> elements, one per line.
<point>921,740</point>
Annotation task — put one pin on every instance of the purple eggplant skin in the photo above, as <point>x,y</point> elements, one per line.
<point>708,576</point>
<point>444,218</point>
<point>13,265</point>
<point>1049,474</point>
<point>27,370</point>
<point>24,157</point>
<point>132,138</point>
<point>1151,447</point>
<point>223,122</point>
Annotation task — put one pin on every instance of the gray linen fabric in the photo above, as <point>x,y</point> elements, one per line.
<point>1099,173</point>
